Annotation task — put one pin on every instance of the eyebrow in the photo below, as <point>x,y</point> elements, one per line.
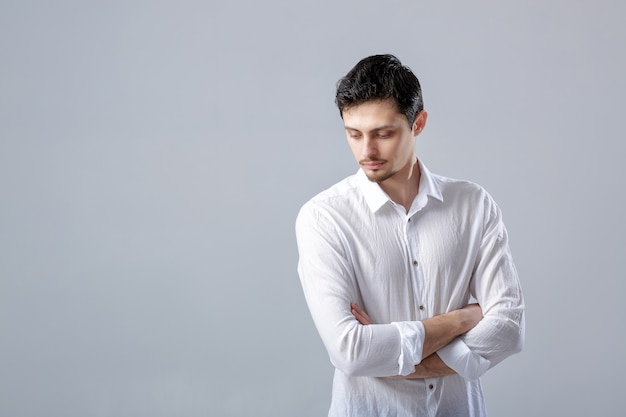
<point>376,129</point>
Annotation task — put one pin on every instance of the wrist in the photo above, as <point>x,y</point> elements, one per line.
<point>469,316</point>
<point>464,320</point>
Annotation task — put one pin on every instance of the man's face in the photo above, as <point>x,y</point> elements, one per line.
<point>381,140</point>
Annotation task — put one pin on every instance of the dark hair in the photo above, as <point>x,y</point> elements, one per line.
<point>381,77</point>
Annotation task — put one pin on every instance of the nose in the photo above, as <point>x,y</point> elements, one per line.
<point>369,150</point>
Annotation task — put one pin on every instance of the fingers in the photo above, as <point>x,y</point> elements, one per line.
<point>360,315</point>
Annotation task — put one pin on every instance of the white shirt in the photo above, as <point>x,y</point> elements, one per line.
<point>357,246</point>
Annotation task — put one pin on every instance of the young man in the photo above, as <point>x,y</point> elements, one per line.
<point>407,274</point>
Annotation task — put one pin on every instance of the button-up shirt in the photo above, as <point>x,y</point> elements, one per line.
<point>451,248</point>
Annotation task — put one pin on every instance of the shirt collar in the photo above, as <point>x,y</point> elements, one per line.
<point>376,197</point>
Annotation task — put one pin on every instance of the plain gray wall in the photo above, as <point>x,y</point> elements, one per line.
<point>154,154</point>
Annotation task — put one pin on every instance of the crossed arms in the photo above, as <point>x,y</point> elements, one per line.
<point>467,340</point>
<point>440,330</point>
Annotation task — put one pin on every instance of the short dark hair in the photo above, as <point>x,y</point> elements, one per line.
<point>381,77</point>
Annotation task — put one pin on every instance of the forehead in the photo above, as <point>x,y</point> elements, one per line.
<point>373,114</point>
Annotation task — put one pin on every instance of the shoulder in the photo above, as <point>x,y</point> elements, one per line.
<point>465,193</point>
<point>459,187</point>
<point>336,201</point>
<point>341,194</point>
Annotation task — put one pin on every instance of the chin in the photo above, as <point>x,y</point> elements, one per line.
<point>379,177</point>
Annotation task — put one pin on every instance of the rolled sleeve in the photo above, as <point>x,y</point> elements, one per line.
<point>459,357</point>
<point>412,334</point>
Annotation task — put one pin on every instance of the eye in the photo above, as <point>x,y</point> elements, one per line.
<point>354,135</point>
<point>384,135</point>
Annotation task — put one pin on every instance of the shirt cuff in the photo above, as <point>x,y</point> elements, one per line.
<point>412,335</point>
<point>458,356</point>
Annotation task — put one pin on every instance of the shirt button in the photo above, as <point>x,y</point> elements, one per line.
<point>414,262</point>
<point>421,307</point>
<point>431,386</point>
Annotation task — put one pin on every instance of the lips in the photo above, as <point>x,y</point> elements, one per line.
<point>372,165</point>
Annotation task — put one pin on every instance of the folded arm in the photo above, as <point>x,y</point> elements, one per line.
<point>496,287</point>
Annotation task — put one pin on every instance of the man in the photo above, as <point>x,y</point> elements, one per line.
<point>407,274</point>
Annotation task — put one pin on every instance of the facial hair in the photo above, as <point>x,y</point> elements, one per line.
<point>377,176</point>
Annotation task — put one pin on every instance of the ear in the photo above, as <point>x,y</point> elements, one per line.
<point>420,122</point>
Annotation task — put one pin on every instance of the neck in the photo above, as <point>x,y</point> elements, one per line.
<point>403,186</point>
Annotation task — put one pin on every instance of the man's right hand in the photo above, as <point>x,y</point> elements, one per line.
<point>360,315</point>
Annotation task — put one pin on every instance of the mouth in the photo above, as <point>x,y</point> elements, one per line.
<point>372,165</point>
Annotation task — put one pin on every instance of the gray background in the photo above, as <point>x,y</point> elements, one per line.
<point>153,157</point>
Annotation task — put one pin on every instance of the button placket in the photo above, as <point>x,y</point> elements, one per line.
<point>414,264</point>
<point>430,384</point>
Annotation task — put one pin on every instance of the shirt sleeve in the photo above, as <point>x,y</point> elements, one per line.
<point>496,287</point>
<point>330,286</point>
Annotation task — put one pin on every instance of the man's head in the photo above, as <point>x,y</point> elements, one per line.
<point>377,78</point>
<point>376,99</point>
